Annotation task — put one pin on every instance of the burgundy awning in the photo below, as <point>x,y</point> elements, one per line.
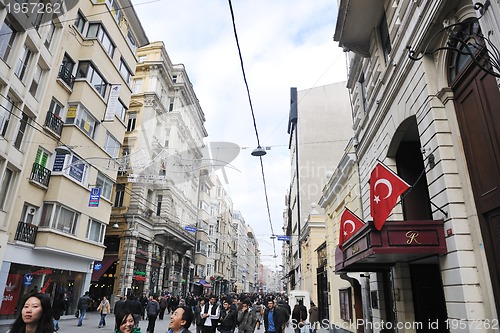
<point>370,250</point>
<point>104,264</point>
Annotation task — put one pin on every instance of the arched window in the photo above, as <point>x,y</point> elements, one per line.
<point>469,42</point>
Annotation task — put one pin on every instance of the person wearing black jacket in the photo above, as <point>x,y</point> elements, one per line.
<point>134,305</point>
<point>299,316</point>
<point>274,318</point>
<point>228,319</point>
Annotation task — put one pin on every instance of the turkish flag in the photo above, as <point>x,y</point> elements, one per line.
<point>385,188</point>
<point>349,225</point>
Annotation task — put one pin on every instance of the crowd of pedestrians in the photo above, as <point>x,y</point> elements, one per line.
<point>248,313</point>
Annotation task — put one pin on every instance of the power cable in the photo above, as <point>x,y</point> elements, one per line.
<point>253,117</point>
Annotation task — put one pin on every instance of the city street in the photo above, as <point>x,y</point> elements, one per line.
<point>67,324</point>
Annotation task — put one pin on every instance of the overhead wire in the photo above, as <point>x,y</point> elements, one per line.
<point>253,119</point>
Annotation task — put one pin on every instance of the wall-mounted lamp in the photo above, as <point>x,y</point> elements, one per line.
<point>115,226</point>
<point>64,150</point>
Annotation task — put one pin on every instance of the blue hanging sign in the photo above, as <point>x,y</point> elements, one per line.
<point>283,238</point>
<point>95,195</point>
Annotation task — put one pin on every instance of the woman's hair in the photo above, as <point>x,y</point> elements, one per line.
<point>120,317</point>
<point>45,324</point>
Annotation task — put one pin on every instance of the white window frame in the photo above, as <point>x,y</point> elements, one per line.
<point>81,117</point>
<point>111,145</point>
<point>73,166</point>
<point>53,220</point>
<point>105,184</point>
<point>98,227</point>
<point>7,180</point>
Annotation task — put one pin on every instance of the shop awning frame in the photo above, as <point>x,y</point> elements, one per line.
<point>370,250</point>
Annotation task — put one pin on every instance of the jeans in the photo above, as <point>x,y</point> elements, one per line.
<point>56,325</point>
<point>82,315</point>
<point>103,320</point>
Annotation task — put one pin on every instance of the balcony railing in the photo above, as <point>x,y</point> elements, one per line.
<point>40,175</point>
<point>66,76</point>
<point>54,123</point>
<point>26,232</point>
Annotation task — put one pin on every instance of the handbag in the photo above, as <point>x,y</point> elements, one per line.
<point>77,313</point>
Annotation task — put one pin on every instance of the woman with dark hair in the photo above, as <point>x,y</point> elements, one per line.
<point>35,316</point>
<point>125,322</point>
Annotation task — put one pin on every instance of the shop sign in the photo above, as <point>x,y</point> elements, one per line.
<point>11,294</point>
<point>28,279</point>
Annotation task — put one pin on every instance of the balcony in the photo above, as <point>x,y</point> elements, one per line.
<point>26,232</point>
<point>54,123</point>
<point>40,175</point>
<point>66,76</point>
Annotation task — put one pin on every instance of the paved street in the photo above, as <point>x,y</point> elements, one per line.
<point>67,324</point>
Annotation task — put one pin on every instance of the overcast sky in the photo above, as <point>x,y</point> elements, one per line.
<point>284,43</point>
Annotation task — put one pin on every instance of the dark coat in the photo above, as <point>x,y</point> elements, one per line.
<point>299,313</point>
<point>228,320</point>
<point>58,307</point>
<point>84,302</point>
<point>279,318</point>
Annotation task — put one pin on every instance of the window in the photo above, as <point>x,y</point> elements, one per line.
<point>22,62</point>
<point>66,71</point>
<point>174,78</point>
<point>105,184</point>
<point>80,22</point>
<point>345,304</point>
<point>159,199</point>
<point>171,104</point>
<point>210,249</point>
<point>58,217</point>
<point>55,107</point>
<point>385,40</point>
<point>86,70</point>
<point>5,111</point>
<point>7,37</point>
<point>120,193</point>
<point>211,229</point>
<point>131,121</point>
<point>28,214</point>
<point>362,92</point>
<point>37,78</point>
<point>5,187</point>
<point>141,58</point>
<point>112,146</point>
<point>42,157</point>
<point>95,231</point>
<point>39,14</point>
<point>96,30</point>
<point>137,86</point>
<point>131,41</point>
<point>72,166</point>
<point>125,71</point>
<point>81,117</point>
<point>50,35</point>
<point>201,246</point>
<point>121,110</point>
<point>23,122</point>
<point>117,12</point>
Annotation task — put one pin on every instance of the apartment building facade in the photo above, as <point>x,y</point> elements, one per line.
<point>156,197</point>
<point>65,91</point>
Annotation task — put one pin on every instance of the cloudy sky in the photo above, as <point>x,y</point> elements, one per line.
<point>284,43</point>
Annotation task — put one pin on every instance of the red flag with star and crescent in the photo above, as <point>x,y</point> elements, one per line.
<point>385,188</point>
<point>349,225</point>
